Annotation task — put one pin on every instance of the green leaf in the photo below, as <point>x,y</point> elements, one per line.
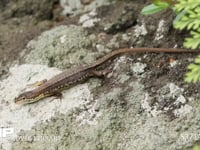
<point>161,4</point>
<point>152,8</point>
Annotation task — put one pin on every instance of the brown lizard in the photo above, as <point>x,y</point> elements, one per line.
<point>68,78</point>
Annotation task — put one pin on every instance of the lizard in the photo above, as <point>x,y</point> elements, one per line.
<point>71,77</point>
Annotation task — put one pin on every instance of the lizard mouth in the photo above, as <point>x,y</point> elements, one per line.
<point>24,100</point>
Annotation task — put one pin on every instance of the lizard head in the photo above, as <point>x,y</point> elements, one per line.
<point>28,97</point>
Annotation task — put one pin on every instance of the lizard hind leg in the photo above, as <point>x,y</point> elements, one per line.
<point>57,95</point>
<point>100,73</point>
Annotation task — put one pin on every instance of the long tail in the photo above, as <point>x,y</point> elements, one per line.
<point>118,52</point>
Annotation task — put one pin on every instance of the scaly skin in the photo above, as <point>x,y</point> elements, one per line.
<point>71,77</point>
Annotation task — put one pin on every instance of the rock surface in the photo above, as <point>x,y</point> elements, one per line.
<point>141,104</point>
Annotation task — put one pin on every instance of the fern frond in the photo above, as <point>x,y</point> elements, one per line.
<point>186,5</point>
<point>194,71</point>
<point>194,41</point>
<point>191,20</point>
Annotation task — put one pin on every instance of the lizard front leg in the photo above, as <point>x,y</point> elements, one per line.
<point>37,83</point>
<point>100,73</point>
